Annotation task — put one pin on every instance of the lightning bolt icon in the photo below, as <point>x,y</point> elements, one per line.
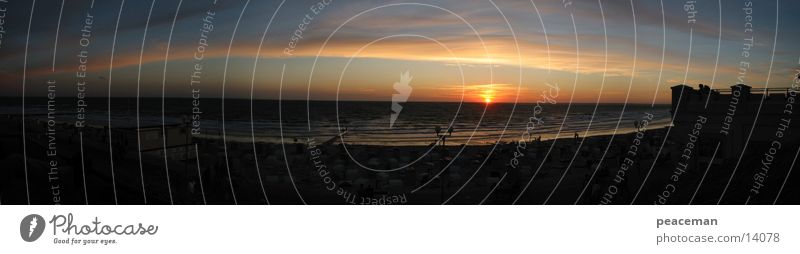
<point>34,222</point>
<point>403,89</point>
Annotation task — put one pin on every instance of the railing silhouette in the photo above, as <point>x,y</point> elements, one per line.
<point>767,91</point>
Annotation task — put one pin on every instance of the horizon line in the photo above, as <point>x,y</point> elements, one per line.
<point>328,100</point>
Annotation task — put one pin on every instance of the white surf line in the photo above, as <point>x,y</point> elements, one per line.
<point>224,79</point>
<point>594,112</point>
<point>83,169</point>
<point>252,82</point>
<point>338,89</point>
<point>163,85</point>
<point>787,177</point>
<point>714,155</point>
<point>24,79</point>
<point>760,104</point>
<point>138,90</point>
<point>708,98</point>
<point>313,68</point>
<point>510,116</point>
<point>283,145</point>
<point>491,77</point>
<point>493,188</point>
<point>452,122</point>
<point>677,109</point>
<point>110,72</point>
<point>199,175</point>
<point>602,84</point>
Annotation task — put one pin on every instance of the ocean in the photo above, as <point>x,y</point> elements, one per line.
<point>363,122</point>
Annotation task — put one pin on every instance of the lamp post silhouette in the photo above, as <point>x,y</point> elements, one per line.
<point>443,161</point>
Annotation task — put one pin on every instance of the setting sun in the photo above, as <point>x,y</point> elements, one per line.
<point>487,93</point>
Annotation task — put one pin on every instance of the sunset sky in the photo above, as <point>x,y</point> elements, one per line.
<point>454,49</point>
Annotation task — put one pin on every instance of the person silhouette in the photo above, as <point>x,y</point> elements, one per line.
<point>704,91</point>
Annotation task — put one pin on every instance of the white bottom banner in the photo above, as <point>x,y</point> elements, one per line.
<point>395,229</point>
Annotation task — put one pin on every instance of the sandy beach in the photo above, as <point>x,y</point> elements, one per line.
<point>321,172</point>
